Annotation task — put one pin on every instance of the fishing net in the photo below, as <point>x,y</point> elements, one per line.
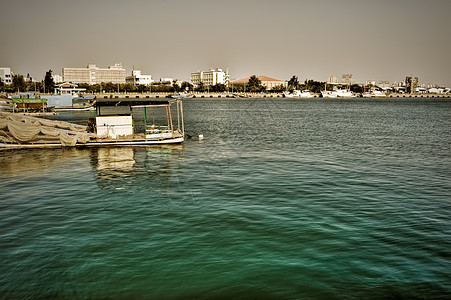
<point>20,129</point>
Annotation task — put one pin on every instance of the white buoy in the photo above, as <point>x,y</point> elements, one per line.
<point>201,136</point>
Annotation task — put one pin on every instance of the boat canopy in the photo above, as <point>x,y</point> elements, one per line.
<point>123,106</point>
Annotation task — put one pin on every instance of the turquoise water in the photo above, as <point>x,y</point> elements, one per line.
<point>283,199</point>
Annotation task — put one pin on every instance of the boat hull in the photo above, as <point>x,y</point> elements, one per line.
<point>94,144</point>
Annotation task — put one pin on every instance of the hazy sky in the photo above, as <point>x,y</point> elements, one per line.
<point>377,40</point>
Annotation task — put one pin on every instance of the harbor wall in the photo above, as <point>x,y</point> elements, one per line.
<point>246,95</point>
<point>229,95</point>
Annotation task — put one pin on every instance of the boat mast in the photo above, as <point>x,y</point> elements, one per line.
<point>145,121</point>
<point>181,112</point>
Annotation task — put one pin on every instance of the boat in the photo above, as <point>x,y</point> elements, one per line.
<point>298,94</point>
<point>182,95</point>
<point>338,93</point>
<point>374,93</point>
<point>236,95</point>
<point>75,108</point>
<point>115,124</point>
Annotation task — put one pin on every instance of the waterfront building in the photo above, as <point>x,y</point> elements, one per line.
<point>384,84</point>
<point>57,78</point>
<point>6,75</point>
<point>166,80</point>
<point>331,79</point>
<point>411,84</point>
<point>347,79</point>
<point>94,75</point>
<point>211,77</point>
<point>137,78</point>
<point>169,81</point>
<point>268,82</point>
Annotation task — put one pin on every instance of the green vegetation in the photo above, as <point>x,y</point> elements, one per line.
<point>49,84</point>
<point>186,86</point>
<point>255,85</point>
<point>315,86</point>
<point>293,83</point>
<point>356,88</point>
<point>278,89</point>
<point>18,83</point>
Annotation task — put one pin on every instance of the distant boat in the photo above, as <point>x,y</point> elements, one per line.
<point>374,94</point>
<point>338,94</point>
<point>182,95</point>
<point>240,96</point>
<point>298,94</point>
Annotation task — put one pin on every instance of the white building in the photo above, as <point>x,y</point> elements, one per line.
<point>347,79</point>
<point>332,79</point>
<point>212,77</point>
<point>94,75</point>
<point>5,75</point>
<point>57,78</point>
<point>137,78</point>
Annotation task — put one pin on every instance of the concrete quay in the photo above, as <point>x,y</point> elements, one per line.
<point>242,95</point>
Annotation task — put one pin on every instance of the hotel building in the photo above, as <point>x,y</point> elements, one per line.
<point>5,75</point>
<point>94,75</point>
<point>211,77</point>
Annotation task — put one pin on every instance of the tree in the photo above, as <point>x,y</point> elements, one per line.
<point>109,87</point>
<point>314,86</point>
<point>18,83</point>
<point>254,84</point>
<point>278,88</point>
<point>175,85</point>
<point>293,83</point>
<point>200,87</point>
<point>48,81</point>
<point>218,88</point>
<point>186,86</point>
<point>142,88</point>
<point>356,88</point>
<point>237,87</point>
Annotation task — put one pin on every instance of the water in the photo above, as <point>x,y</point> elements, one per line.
<point>283,199</point>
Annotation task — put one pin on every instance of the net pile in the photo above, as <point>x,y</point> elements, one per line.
<point>20,129</point>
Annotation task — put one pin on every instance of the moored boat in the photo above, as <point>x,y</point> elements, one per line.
<point>338,93</point>
<point>374,94</point>
<point>298,94</point>
<point>182,96</point>
<point>114,125</point>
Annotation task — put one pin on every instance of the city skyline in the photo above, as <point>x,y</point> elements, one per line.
<point>373,40</point>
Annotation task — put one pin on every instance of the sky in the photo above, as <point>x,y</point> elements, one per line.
<point>373,40</point>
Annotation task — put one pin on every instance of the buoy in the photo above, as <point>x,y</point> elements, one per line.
<point>201,136</point>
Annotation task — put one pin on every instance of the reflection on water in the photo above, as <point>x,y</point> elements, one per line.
<point>37,161</point>
<point>135,168</point>
<point>115,159</point>
<point>116,168</point>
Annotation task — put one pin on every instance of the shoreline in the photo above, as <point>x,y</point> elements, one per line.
<point>226,95</point>
<point>253,95</point>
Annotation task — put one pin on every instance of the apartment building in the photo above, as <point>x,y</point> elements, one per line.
<point>5,75</point>
<point>94,75</point>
